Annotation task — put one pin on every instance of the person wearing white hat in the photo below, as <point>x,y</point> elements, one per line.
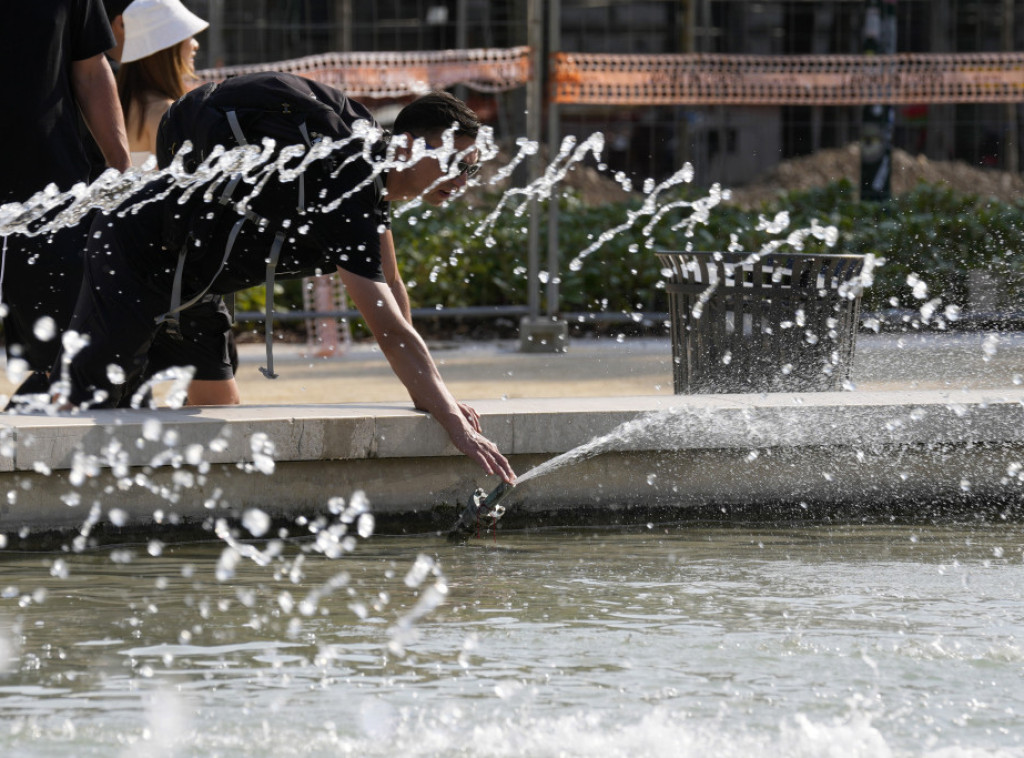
<point>157,63</point>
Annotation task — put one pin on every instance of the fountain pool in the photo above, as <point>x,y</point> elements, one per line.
<point>663,640</point>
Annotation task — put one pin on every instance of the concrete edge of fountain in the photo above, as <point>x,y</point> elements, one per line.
<point>846,452</point>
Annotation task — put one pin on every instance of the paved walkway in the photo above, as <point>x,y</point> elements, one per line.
<point>608,368</point>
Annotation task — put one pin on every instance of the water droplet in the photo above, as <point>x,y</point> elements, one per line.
<point>365,525</point>
<point>990,347</point>
<point>918,287</point>
<point>59,568</point>
<point>256,522</point>
<point>115,374</point>
<point>45,329</point>
<point>72,342</point>
<point>151,429</point>
<point>17,370</point>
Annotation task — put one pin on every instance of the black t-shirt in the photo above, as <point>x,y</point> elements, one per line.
<point>316,242</point>
<point>39,132</point>
<point>330,216</point>
<point>146,233</point>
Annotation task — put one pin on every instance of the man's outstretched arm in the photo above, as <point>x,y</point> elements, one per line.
<point>389,265</point>
<point>412,364</point>
<point>393,277</point>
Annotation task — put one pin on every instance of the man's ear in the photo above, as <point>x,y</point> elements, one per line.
<point>403,145</point>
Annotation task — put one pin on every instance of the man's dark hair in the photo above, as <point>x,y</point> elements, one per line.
<point>115,8</point>
<point>429,116</point>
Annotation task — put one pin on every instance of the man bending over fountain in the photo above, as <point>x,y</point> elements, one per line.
<point>165,247</point>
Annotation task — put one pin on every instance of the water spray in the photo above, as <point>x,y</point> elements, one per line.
<point>482,509</point>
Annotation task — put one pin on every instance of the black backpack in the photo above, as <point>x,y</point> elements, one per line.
<point>289,109</point>
<point>243,110</point>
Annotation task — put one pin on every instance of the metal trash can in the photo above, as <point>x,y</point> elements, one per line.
<point>744,322</point>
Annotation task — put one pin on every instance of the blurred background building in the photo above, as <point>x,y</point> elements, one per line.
<point>726,143</point>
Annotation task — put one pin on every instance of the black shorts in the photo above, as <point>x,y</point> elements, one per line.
<point>125,289</point>
<point>205,342</point>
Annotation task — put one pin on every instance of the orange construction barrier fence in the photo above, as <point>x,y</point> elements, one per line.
<point>397,75</point>
<point>701,79</point>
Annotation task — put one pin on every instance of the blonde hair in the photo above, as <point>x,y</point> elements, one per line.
<point>165,72</point>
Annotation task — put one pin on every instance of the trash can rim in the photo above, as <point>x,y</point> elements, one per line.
<point>742,255</point>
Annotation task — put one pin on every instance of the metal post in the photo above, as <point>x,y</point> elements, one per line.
<point>535,34</point>
<point>687,25</point>
<point>461,39</point>
<point>215,34</point>
<point>343,25</point>
<point>538,334</point>
<point>877,120</point>
<point>554,38</point>
<point>1012,124</point>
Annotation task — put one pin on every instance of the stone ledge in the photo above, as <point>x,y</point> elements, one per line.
<point>519,427</point>
<point>855,447</point>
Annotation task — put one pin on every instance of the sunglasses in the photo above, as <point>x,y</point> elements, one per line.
<point>469,169</point>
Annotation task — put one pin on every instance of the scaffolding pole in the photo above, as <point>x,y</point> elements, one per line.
<point>537,333</point>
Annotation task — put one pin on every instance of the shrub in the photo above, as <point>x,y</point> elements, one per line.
<point>932,232</point>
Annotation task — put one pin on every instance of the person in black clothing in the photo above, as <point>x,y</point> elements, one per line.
<point>153,246</point>
<point>55,49</point>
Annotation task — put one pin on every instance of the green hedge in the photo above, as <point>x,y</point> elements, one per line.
<point>931,231</point>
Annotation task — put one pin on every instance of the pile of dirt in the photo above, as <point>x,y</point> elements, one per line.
<point>826,166</point>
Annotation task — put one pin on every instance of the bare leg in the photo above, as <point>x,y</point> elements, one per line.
<point>213,392</point>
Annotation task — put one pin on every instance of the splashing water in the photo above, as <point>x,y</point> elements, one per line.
<point>668,427</point>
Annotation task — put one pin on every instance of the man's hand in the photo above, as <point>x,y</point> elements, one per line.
<point>411,362</point>
<point>484,452</point>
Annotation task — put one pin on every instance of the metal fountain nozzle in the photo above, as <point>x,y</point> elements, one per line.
<point>481,507</point>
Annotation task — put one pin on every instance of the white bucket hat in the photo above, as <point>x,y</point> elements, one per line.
<point>152,25</point>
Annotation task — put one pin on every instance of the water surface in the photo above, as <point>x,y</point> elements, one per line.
<point>664,641</point>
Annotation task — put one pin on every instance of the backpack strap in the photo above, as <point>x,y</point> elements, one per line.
<point>302,177</point>
<point>268,324</point>
<point>236,128</point>
<point>171,316</point>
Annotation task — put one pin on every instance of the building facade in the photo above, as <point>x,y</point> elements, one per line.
<point>727,144</point>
